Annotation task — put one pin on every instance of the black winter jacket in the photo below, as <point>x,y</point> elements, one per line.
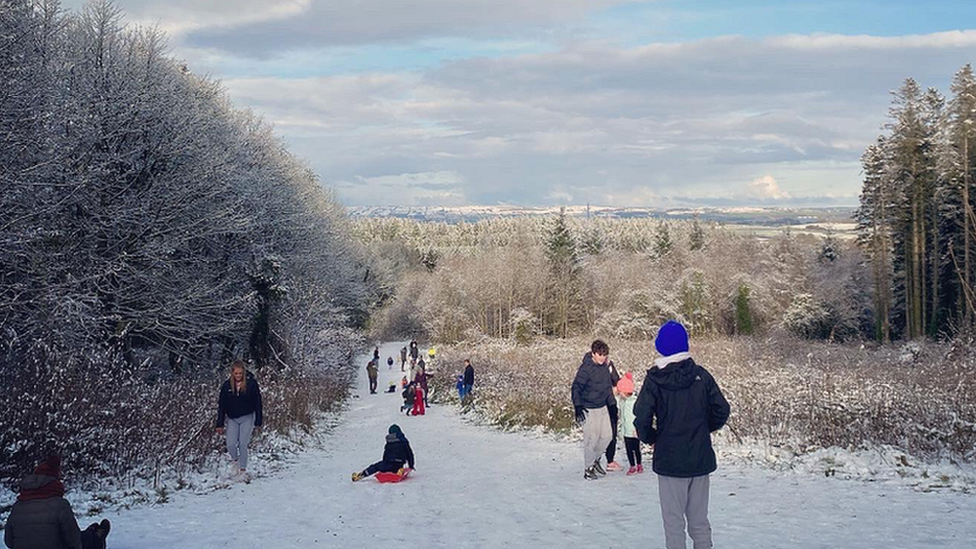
<point>398,450</point>
<point>592,387</point>
<point>469,375</point>
<point>231,404</point>
<point>677,410</point>
<point>41,523</point>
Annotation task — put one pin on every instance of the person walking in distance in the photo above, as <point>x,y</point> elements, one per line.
<point>414,350</point>
<point>592,396</point>
<point>467,383</point>
<point>373,371</point>
<point>679,406</point>
<point>403,358</point>
<point>239,412</point>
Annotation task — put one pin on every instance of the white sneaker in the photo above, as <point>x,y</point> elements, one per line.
<point>234,470</point>
<point>244,477</point>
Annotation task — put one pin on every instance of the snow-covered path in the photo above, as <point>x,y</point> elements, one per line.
<point>476,487</point>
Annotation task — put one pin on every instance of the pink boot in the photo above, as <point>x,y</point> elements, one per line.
<point>632,471</point>
<point>640,468</point>
<point>614,466</point>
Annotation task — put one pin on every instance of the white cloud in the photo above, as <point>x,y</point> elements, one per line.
<point>598,122</point>
<point>766,187</point>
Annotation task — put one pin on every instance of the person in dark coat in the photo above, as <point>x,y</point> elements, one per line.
<point>239,412</point>
<point>611,453</point>
<point>414,350</point>
<point>403,358</point>
<point>679,406</point>
<point>592,397</point>
<point>396,454</point>
<point>373,371</point>
<point>467,383</point>
<point>42,519</point>
<point>409,393</point>
<point>423,378</point>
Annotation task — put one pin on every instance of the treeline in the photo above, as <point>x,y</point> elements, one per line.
<point>151,233</point>
<point>916,220</point>
<point>526,277</point>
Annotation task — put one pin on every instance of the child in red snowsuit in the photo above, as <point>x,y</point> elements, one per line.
<point>418,401</point>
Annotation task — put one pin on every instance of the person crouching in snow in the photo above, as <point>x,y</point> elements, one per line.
<point>679,406</point>
<point>396,454</point>
<point>408,395</point>
<point>41,517</point>
<point>625,403</point>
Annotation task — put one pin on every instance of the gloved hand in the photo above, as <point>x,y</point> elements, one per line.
<point>580,415</point>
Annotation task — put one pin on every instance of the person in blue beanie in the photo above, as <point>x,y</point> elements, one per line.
<point>679,406</point>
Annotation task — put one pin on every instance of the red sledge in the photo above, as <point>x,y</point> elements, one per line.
<point>393,477</point>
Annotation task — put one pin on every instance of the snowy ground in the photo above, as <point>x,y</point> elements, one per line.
<point>478,487</point>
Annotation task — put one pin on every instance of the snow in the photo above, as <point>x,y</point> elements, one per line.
<point>478,487</point>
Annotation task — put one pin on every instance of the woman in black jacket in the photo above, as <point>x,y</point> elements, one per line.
<point>396,453</point>
<point>238,413</point>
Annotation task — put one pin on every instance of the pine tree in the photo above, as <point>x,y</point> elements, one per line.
<point>564,268</point>
<point>874,227</point>
<point>663,243</point>
<point>958,165</point>
<point>697,235</point>
<point>743,316</point>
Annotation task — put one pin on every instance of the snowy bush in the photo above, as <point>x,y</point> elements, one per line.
<point>151,234</point>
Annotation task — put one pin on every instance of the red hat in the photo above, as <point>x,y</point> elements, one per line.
<point>626,383</point>
<point>50,467</point>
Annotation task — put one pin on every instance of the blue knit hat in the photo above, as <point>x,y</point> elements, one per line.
<point>672,338</point>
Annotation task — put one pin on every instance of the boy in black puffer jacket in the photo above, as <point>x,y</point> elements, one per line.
<point>396,453</point>
<point>679,406</point>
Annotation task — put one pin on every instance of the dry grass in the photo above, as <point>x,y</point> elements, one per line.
<point>920,398</point>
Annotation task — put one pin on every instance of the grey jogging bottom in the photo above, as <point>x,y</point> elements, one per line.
<point>239,431</point>
<point>680,498</point>
<point>596,434</point>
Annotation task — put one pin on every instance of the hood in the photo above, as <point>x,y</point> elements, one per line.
<point>678,375</point>
<point>35,481</point>
<point>588,362</point>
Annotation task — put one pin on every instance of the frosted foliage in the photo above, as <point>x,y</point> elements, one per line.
<point>487,270</point>
<point>151,233</point>
<point>790,393</point>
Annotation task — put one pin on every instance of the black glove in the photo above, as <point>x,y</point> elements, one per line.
<point>580,415</point>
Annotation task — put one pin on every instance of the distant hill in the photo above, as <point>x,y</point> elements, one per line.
<point>768,217</point>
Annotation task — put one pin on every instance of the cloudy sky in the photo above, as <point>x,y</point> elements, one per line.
<point>545,102</point>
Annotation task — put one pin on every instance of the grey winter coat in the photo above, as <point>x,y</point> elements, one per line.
<point>41,523</point>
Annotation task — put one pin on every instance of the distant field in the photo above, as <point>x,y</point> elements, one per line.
<point>844,231</point>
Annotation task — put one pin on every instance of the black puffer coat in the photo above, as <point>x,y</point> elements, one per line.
<point>678,408</point>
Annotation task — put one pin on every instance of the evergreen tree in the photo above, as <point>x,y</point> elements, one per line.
<point>743,316</point>
<point>663,243</point>
<point>697,235</point>
<point>563,260</point>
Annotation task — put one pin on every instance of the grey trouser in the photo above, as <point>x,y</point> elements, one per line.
<point>680,498</point>
<point>596,434</point>
<point>239,431</point>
